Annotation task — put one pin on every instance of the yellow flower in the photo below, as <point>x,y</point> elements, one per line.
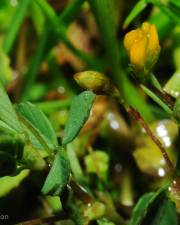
<point>143,47</point>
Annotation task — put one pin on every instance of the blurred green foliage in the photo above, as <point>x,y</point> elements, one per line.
<point>110,169</point>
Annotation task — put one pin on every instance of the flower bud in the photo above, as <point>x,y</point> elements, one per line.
<point>143,48</point>
<point>97,82</point>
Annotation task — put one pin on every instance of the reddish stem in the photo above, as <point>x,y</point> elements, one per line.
<point>136,115</point>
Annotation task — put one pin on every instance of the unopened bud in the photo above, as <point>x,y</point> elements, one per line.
<point>96,82</point>
<point>143,48</point>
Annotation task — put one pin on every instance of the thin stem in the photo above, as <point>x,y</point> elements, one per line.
<point>136,115</point>
<point>157,99</point>
<point>155,86</point>
<point>164,96</point>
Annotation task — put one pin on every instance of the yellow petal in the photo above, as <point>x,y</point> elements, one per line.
<point>153,44</point>
<point>138,52</point>
<point>131,37</point>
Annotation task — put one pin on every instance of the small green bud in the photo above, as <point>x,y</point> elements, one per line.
<point>96,82</point>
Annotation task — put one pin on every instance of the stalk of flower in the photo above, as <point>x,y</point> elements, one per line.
<point>143,48</point>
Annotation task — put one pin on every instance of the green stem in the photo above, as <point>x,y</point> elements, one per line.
<point>154,82</point>
<point>157,100</point>
<point>137,116</point>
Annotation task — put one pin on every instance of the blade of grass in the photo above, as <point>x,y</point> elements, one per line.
<point>71,11</point>
<point>138,8</point>
<point>163,25</point>
<point>35,62</point>
<point>167,9</point>
<point>60,31</point>
<point>16,22</point>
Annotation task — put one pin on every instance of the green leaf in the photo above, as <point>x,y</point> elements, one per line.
<point>8,183</point>
<point>15,24</point>
<point>58,176</point>
<point>35,137</point>
<point>144,204</point>
<point>79,113</point>
<point>166,214</point>
<point>140,209</point>
<point>138,8</point>
<point>38,124</point>
<point>5,128</point>
<point>7,113</point>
